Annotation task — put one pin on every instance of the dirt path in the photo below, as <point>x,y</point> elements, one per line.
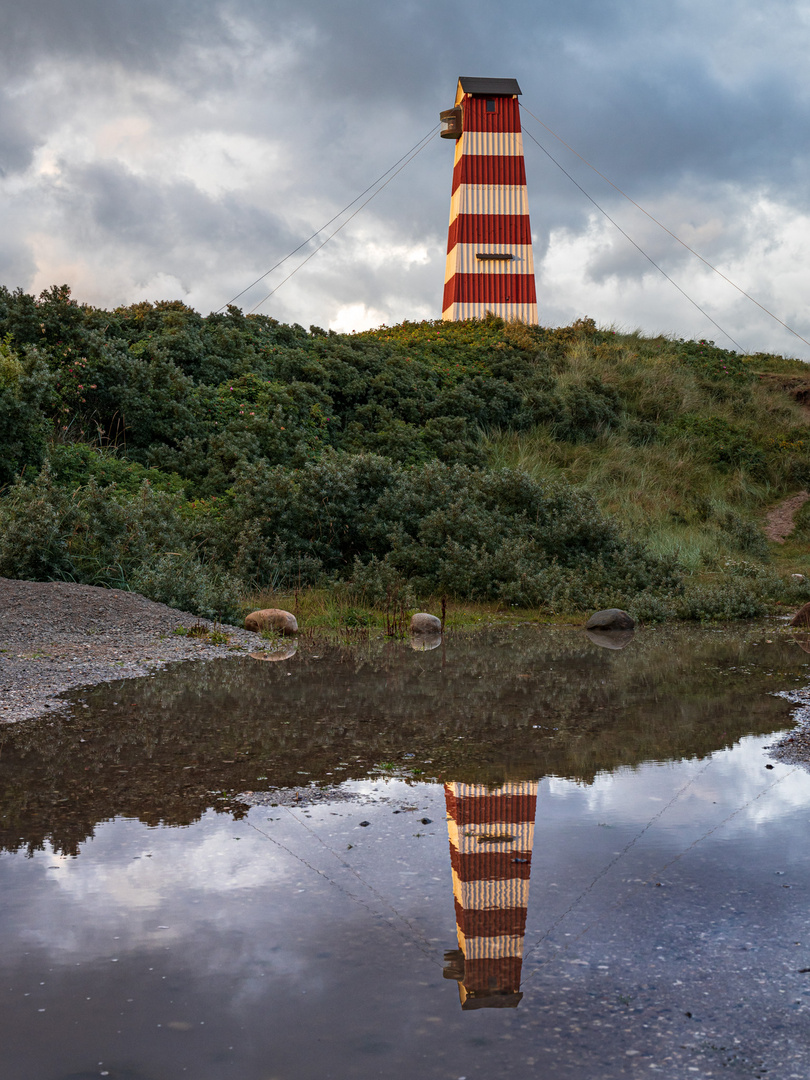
<point>779,522</point>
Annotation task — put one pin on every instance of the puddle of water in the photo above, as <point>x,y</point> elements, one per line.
<point>603,877</point>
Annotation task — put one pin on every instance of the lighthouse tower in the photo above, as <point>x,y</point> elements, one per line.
<point>489,246</point>
<point>491,834</point>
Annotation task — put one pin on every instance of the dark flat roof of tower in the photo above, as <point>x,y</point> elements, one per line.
<point>488,86</point>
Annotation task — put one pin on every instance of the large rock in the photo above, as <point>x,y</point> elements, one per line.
<point>802,616</point>
<point>422,623</point>
<point>275,619</point>
<point>610,619</point>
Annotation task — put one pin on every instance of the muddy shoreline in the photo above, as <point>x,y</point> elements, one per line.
<point>57,636</point>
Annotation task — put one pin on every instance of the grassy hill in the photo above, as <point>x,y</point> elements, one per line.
<point>201,459</point>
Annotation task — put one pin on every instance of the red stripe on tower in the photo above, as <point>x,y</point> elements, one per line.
<point>491,836</point>
<point>490,266</point>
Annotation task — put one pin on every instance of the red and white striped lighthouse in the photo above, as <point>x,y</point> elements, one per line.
<point>491,833</point>
<point>489,246</point>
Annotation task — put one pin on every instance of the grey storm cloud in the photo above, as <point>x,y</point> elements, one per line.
<point>150,215</point>
<point>17,142</point>
<point>199,142</point>
<point>137,35</point>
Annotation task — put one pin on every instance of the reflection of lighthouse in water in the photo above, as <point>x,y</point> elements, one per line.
<point>491,835</point>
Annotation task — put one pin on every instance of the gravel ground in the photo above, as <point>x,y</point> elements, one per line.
<point>55,636</point>
<point>794,748</point>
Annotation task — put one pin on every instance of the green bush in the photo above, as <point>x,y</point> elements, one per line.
<point>731,599</point>
<point>726,446</point>
<point>88,534</point>
<point>745,535</point>
<point>282,456</point>
<point>75,464</point>
<point>647,607</point>
<point>26,392</point>
<point>468,532</point>
<point>183,582</point>
<point>587,409</point>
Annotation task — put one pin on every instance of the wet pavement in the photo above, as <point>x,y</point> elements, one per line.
<point>545,856</point>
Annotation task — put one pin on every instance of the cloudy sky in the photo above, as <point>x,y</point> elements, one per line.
<point>164,149</point>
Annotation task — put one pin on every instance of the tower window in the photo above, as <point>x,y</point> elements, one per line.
<point>490,104</point>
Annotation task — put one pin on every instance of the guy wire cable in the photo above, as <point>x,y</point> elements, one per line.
<point>649,258</point>
<point>329,222</point>
<point>348,866</point>
<point>348,219</point>
<point>357,899</point>
<point>662,226</point>
<point>542,965</point>
<point>617,858</point>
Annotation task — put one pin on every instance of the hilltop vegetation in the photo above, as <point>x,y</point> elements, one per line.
<point>199,458</point>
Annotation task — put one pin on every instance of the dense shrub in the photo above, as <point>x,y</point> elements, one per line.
<point>92,534</point>
<point>111,536</point>
<point>469,532</point>
<point>361,519</point>
<point>183,582</point>
<point>25,395</point>
<point>726,446</point>
<point>730,599</point>
<point>586,410</point>
<point>745,535</point>
<point>195,456</point>
<point>713,363</point>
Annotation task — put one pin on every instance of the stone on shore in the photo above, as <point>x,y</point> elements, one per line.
<point>610,619</point>
<point>281,622</point>
<point>423,623</point>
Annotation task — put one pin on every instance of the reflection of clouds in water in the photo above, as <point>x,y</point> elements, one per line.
<point>238,905</point>
<point>730,780</point>
<point>201,873</point>
<point>245,909</point>
<point>182,858</point>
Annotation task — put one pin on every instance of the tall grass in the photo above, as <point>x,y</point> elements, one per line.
<point>655,472</point>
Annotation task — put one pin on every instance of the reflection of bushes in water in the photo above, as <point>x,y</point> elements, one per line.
<point>485,707</point>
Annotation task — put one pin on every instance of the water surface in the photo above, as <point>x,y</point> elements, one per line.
<point>650,874</point>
